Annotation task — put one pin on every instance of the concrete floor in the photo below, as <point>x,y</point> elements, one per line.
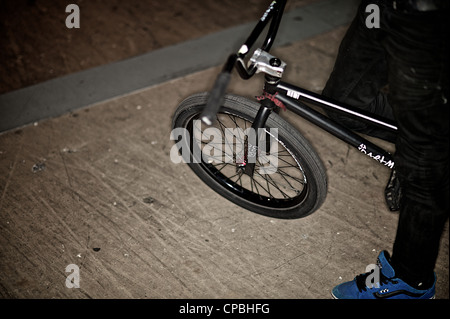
<point>96,188</point>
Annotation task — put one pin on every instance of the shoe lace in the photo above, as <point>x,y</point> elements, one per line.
<point>361,281</point>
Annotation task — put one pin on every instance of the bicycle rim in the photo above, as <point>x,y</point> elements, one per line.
<point>284,187</point>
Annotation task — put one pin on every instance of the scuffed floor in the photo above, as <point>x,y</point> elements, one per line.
<point>97,189</point>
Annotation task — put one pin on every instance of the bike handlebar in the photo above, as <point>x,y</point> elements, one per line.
<point>273,13</point>
<point>215,98</point>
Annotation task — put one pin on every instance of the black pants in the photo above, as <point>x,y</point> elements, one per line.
<point>400,71</point>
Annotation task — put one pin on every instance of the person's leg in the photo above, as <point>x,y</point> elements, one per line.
<point>417,53</point>
<point>418,76</point>
<point>359,73</point>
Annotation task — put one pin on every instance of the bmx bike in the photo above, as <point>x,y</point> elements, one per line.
<point>241,167</point>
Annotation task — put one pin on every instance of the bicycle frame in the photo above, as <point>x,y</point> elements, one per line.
<point>278,93</point>
<point>286,92</point>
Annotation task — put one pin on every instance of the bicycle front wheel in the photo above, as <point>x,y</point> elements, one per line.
<point>288,180</point>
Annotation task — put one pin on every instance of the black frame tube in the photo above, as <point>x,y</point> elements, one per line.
<point>337,130</point>
<point>335,106</point>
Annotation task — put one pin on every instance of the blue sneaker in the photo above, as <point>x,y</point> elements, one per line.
<point>388,287</point>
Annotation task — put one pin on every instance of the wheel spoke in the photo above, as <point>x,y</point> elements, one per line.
<point>286,183</point>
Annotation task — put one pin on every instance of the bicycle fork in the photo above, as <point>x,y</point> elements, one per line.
<point>258,133</point>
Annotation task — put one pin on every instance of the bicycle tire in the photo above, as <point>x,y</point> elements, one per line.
<point>297,155</point>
